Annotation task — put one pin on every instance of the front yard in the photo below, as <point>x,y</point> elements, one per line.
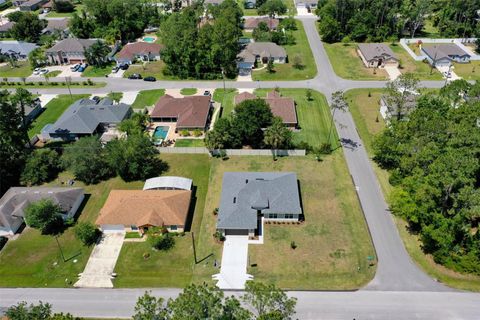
<point>148,69</point>
<point>92,71</point>
<point>286,71</point>
<point>147,98</point>
<point>21,70</point>
<point>420,69</point>
<point>468,71</point>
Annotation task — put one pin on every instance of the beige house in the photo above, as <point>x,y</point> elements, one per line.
<point>377,55</point>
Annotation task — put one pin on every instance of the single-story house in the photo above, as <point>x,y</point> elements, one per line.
<point>57,26</point>
<point>389,111</point>
<point>86,117</point>
<point>251,23</point>
<point>377,55</point>
<point>17,49</point>
<point>17,199</point>
<point>69,51</point>
<point>139,210</point>
<point>32,5</point>
<point>443,54</point>
<point>168,183</point>
<point>247,197</point>
<point>259,52</point>
<point>283,107</point>
<point>213,2</point>
<point>308,4</point>
<point>6,27</point>
<point>139,51</point>
<point>190,113</point>
<point>32,111</point>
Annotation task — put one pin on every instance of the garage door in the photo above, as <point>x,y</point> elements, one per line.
<point>234,232</point>
<point>112,228</point>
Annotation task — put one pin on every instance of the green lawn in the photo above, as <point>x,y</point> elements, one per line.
<point>365,110</point>
<point>173,268</point>
<point>54,73</point>
<point>53,111</point>
<point>332,243</point>
<point>21,70</point>
<point>147,98</point>
<point>148,69</point>
<point>348,65</point>
<point>286,71</point>
<point>91,71</point>
<point>54,14</point>
<point>189,143</point>
<point>468,71</point>
<point>52,84</point>
<point>421,69</point>
<point>226,99</point>
<point>188,91</point>
<point>313,116</point>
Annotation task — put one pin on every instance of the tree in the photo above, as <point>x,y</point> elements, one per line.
<point>22,311</point>
<point>86,159</point>
<point>477,45</point>
<point>87,233</point>
<point>270,66</point>
<point>22,98</point>
<point>134,158</point>
<point>81,26</point>
<point>115,96</point>
<point>223,136</point>
<point>399,90</point>
<point>338,103</point>
<point>250,117</point>
<point>268,301</point>
<point>273,8</point>
<point>96,53</point>
<point>163,242</point>
<point>37,58</point>
<point>63,6</point>
<point>135,124</point>
<point>308,94</point>
<point>27,28</point>
<point>42,166</point>
<point>297,62</point>
<point>277,136</point>
<point>149,308</point>
<point>262,32</point>
<point>45,216</point>
<point>415,12</point>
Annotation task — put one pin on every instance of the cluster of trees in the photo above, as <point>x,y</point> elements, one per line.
<point>113,20</point>
<point>433,158</point>
<point>45,216</point>
<point>271,8</point>
<point>262,33</point>
<point>196,302</point>
<point>373,20</point>
<point>28,27</point>
<point>202,48</point>
<point>252,124</point>
<point>62,6</point>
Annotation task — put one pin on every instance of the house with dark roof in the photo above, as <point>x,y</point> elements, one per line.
<point>17,49</point>
<point>283,107</point>
<point>32,5</point>
<point>443,54</point>
<point>17,199</point>
<point>259,52</point>
<point>251,23</point>
<point>86,117</point>
<point>69,51</point>
<point>58,26</point>
<point>143,51</point>
<point>247,197</point>
<point>189,113</point>
<point>377,55</point>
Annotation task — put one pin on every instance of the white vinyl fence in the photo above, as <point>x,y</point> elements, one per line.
<point>234,152</point>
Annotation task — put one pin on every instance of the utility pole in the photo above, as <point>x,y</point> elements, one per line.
<point>67,81</point>
<point>59,247</point>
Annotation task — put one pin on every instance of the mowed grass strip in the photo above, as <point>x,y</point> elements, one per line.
<point>286,71</point>
<point>189,143</point>
<point>22,69</point>
<point>468,71</point>
<point>226,98</point>
<point>53,111</point>
<point>147,98</point>
<point>188,91</point>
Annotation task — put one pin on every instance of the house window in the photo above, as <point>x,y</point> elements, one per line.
<point>134,228</point>
<point>173,228</point>
<point>288,216</point>
<point>273,216</point>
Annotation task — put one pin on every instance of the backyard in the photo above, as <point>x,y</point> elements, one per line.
<point>189,143</point>
<point>53,110</point>
<point>22,69</point>
<point>226,99</point>
<point>147,98</point>
<point>287,71</point>
<point>364,111</point>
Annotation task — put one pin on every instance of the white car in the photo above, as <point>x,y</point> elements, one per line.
<point>75,67</point>
<point>36,71</point>
<point>43,71</point>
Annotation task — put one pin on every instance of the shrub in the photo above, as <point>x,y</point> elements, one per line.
<point>146,255</point>
<point>184,133</point>
<point>44,215</point>
<point>85,83</point>
<point>164,242</point>
<point>325,148</point>
<point>87,233</point>
<point>215,211</point>
<point>197,133</point>
<point>90,82</point>
<point>219,236</point>
<point>304,145</point>
<point>293,245</point>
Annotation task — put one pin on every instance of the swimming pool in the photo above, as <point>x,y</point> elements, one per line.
<point>161,132</point>
<point>149,39</point>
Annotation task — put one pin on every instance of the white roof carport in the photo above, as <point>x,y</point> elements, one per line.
<point>168,183</point>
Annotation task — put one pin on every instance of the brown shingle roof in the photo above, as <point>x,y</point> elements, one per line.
<point>190,112</point>
<point>145,207</point>
<point>371,51</point>
<point>252,23</point>
<point>282,107</point>
<point>139,48</point>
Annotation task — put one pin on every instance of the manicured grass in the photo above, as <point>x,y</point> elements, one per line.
<point>468,71</point>
<point>422,70</point>
<point>21,70</point>
<point>226,99</point>
<point>147,98</point>
<point>364,110</point>
<point>347,63</point>
<point>148,69</point>
<point>173,268</point>
<point>54,14</point>
<point>53,111</point>
<point>189,143</point>
<point>188,91</point>
<point>332,243</point>
<point>132,235</point>
<point>286,71</point>
<point>54,73</point>
<point>313,117</point>
<point>92,71</point>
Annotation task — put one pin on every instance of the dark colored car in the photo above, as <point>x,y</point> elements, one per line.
<point>206,93</point>
<point>96,99</point>
<point>124,66</point>
<point>135,76</point>
<point>150,79</point>
<point>115,69</point>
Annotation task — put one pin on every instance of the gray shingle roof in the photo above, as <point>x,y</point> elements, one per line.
<point>262,49</point>
<point>17,199</point>
<point>84,116</point>
<point>443,51</point>
<point>71,45</point>
<point>243,193</point>
<point>17,47</point>
<point>371,51</point>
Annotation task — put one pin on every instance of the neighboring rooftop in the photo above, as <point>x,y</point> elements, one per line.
<point>252,23</point>
<point>371,51</point>
<point>16,47</point>
<point>60,24</point>
<point>145,208</point>
<point>261,49</point>
<point>168,183</point>
<point>444,50</point>
<point>244,193</point>
<point>130,50</point>
<point>191,111</point>
<point>72,45</point>
<point>7,26</point>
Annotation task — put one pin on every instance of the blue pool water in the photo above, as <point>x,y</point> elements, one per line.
<point>149,39</point>
<point>160,133</point>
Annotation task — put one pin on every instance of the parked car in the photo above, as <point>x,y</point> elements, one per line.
<point>96,99</point>
<point>36,71</point>
<point>124,66</point>
<point>82,67</point>
<point>43,71</point>
<point>150,79</point>
<point>135,76</point>
<point>206,93</point>
<point>115,69</point>
<point>75,67</point>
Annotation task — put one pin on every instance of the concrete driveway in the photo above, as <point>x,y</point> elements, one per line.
<point>99,269</point>
<point>444,70</point>
<point>129,97</point>
<point>393,72</point>
<point>233,271</point>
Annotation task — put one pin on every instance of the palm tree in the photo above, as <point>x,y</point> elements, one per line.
<point>97,53</point>
<point>277,136</point>
<point>338,103</point>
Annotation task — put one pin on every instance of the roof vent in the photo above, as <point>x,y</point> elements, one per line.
<point>246,180</point>
<point>234,199</point>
